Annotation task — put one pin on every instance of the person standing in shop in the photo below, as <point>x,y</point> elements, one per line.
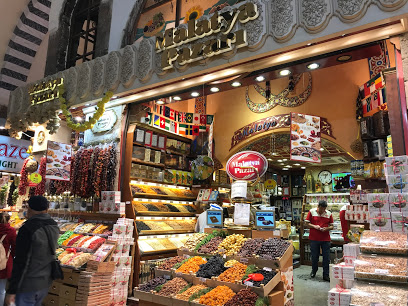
<point>320,222</point>
<point>8,239</point>
<point>31,276</point>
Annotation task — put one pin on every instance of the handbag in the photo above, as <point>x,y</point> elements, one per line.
<point>56,271</point>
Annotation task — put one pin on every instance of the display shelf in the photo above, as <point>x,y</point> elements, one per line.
<point>327,194</point>
<point>8,210</point>
<point>141,179</point>
<point>163,132</point>
<point>142,162</point>
<point>162,197</point>
<point>85,215</point>
<point>164,214</point>
<point>158,252</point>
<point>166,232</point>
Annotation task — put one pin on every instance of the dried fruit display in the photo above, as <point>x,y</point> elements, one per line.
<point>384,242</point>
<point>22,186</point>
<point>243,297</point>
<point>169,263</point>
<point>381,267</point>
<point>367,294</point>
<point>172,286</point>
<point>189,292</point>
<point>213,267</point>
<point>191,265</point>
<point>273,248</point>
<point>192,242</point>
<point>211,247</point>
<point>40,188</point>
<point>231,244</point>
<point>268,276</point>
<point>218,296</point>
<point>250,247</point>
<point>230,263</point>
<point>151,284</point>
<point>233,274</point>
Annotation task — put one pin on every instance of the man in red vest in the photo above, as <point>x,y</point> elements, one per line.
<point>320,222</point>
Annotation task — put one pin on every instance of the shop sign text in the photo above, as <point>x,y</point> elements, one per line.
<point>247,166</point>
<point>45,91</point>
<point>223,23</point>
<point>13,152</point>
<point>106,122</point>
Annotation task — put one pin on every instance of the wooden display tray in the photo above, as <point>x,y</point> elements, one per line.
<point>165,232</point>
<point>163,197</point>
<point>261,263</point>
<point>133,178</point>
<point>164,214</point>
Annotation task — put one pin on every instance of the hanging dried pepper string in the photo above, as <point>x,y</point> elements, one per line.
<point>111,172</point>
<point>40,188</point>
<point>22,187</point>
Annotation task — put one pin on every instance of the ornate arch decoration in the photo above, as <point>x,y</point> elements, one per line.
<point>132,21</point>
<point>24,44</point>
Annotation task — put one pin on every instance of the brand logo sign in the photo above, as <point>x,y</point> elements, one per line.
<point>105,123</point>
<point>247,166</point>
<point>221,23</point>
<point>45,91</point>
<point>13,152</point>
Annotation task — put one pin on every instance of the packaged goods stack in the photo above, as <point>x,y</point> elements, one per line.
<point>123,235</point>
<point>110,203</point>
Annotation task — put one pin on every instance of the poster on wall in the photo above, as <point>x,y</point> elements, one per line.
<point>305,142</point>
<point>58,161</point>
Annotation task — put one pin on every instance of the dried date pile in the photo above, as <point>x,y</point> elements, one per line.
<point>213,267</point>
<point>211,246</point>
<point>273,248</point>
<point>173,286</point>
<point>245,297</point>
<point>170,263</point>
<point>151,284</point>
<point>250,247</point>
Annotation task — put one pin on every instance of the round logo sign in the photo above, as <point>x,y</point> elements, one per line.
<point>270,184</point>
<point>247,166</point>
<point>35,177</point>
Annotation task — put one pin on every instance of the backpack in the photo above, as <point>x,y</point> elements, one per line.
<point>3,256</point>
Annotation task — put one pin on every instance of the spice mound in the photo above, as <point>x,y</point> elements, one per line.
<point>213,267</point>
<point>217,297</point>
<point>172,287</point>
<point>244,297</point>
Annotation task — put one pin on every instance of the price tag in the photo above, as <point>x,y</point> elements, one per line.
<point>248,283</point>
<point>166,276</point>
<point>224,256</point>
<point>267,269</point>
<point>381,243</point>
<point>276,233</point>
<point>202,279</point>
<point>381,271</point>
<point>244,260</point>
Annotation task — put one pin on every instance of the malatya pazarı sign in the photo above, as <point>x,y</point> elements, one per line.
<point>172,43</point>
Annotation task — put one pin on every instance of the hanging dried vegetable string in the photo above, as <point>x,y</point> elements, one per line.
<point>40,188</point>
<point>98,172</point>
<point>104,174</point>
<point>111,173</point>
<point>85,162</point>
<point>22,187</point>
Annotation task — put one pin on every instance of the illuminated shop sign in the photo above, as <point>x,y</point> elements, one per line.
<point>45,91</point>
<point>222,23</point>
<point>246,166</point>
<point>13,152</point>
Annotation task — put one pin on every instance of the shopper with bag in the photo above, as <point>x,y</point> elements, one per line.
<point>35,266</point>
<point>7,249</point>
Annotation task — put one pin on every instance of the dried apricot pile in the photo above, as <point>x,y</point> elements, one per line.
<point>217,297</point>
<point>191,265</point>
<point>233,274</point>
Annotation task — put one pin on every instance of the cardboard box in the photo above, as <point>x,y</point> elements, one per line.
<point>340,297</point>
<point>110,196</point>
<point>342,271</point>
<point>398,202</point>
<point>378,202</point>
<point>380,222</point>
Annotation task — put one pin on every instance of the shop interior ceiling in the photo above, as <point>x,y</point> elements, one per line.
<point>275,153</point>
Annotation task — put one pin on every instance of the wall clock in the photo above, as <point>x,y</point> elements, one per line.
<point>325,177</point>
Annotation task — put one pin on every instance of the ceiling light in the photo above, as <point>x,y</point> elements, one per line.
<point>160,102</point>
<point>285,72</point>
<point>343,35</point>
<point>321,149</point>
<point>279,160</point>
<point>270,159</point>
<point>344,58</point>
<point>195,94</point>
<point>285,169</point>
<point>285,159</point>
<point>87,104</point>
<point>236,84</point>
<point>260,78</point>
<point>114,97</point>
<point>296,164</point>
<point>303,167</point>
<point>309,44</point>
<point>79,119</point>
<point>177,98</point>
<point>313,66</point>
<point>214,89</point>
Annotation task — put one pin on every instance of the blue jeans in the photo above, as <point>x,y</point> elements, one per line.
<point>3,283</point>
<point>31,298</point>
<point>315,250</point>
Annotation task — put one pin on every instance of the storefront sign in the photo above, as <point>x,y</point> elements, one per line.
<point>106,122</point>
<point>13,152</point>
<point>58,161</point>
<point>45,91</point>
<point>247,166</point>
<point>271,123</point>
<point>218,23</point>
<point>305,142</point>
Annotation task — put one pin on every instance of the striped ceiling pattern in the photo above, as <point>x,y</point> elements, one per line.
<point>24,44</point>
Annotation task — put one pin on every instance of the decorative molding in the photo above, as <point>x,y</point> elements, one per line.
<point>98,76</point>
<point>70,81</point>
<point>112,77</point>
<point>256,29</point>
<point>84,79</point>
<point>145,59</point>
<point>128,66</point>
<point>351,10</point>
<point>315,14</point>
<point>283,19</point>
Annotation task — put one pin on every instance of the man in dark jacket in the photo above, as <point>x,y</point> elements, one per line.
<point>31,276</point>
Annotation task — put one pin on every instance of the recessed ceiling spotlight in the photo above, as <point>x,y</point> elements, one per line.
<point>285,159</point>
<point>343,35</point>
<point>285,72</point>
<point>236,84</point>
<point>270,159</point>
<point>279,160</point>
<point>285,169</point>
<point>159,102</point>
<point>195,94</point>
<point>274,153</point>
<point>313,66</point>
<point>260,78</point>
<point>296,164</point>
<point>309,44</point>
<point>87,104</point>
<point>303,167</point>
<point>321,149</point>
<point>177,98</point>
<point>344,58</point>
<point>214,89</point>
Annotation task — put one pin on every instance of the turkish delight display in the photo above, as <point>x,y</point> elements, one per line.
<point>368,294</point>
<point>398,202</point>
<point>396,165</point>
<point>384,242</point>
<point>385,268</point>
<point>398,183</point>
<point>380,221</point>
<point>399,222</point>
<point>378,202</point>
